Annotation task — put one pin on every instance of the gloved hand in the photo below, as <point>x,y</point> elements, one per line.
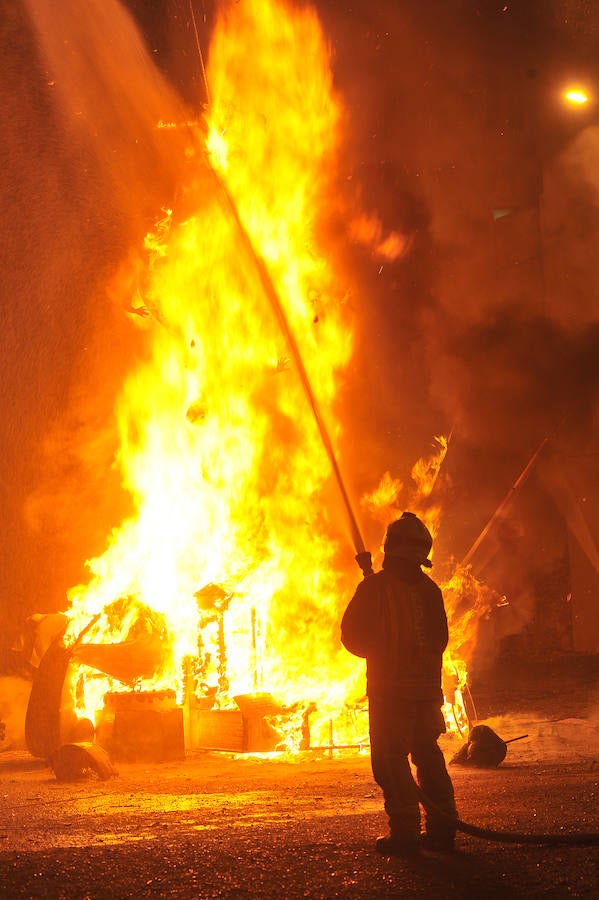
<point>364,560</point>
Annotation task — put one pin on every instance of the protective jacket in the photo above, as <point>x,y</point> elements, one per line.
<point>397,621</point>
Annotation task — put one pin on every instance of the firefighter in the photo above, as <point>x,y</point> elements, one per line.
<point>396,620</point>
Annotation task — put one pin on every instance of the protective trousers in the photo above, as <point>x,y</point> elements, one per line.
<point>399,729</point>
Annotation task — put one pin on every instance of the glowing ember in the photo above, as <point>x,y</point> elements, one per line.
<point>368,230</point>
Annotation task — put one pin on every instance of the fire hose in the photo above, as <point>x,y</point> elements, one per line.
<point>582,838</point>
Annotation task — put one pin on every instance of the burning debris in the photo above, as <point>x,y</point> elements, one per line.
<point>221,634</point>
<point>145,726</point>
<point>148,725</point>
<point>141,645</point>
<point>213,602</point>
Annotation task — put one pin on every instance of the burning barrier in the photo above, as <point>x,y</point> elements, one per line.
<point>227,582</point>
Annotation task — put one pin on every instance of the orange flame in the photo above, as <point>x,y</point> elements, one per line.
<point>466,600</point>
<point>228,572</point>
<point>218,446</point>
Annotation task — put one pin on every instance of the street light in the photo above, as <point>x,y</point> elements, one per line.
<point>576,96</point>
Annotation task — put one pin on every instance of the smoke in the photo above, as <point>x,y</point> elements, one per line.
<point>487,328</point>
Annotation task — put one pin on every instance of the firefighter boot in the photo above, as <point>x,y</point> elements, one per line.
<point>390,846</point>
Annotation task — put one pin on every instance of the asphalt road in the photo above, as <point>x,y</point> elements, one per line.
<point>217,826</point>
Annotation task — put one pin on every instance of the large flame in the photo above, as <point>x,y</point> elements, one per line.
<point>227,579</point>
<point>218,444</point>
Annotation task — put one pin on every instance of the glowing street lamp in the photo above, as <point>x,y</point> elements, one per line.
<point>576,96</point>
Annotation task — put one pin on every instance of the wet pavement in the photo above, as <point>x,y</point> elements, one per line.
<point>219,826</point>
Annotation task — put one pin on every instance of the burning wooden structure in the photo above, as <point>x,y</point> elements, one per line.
<point>211,619</point>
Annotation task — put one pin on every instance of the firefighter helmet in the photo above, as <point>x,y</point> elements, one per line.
<point>409,538</point>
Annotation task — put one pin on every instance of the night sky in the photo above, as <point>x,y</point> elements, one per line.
<point>488,329</point>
